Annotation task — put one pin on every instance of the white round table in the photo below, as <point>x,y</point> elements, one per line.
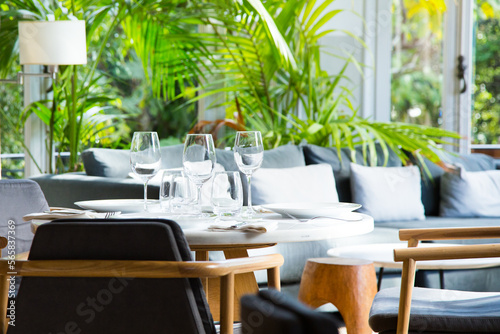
<point>382,256</point>
<point>288,231</point>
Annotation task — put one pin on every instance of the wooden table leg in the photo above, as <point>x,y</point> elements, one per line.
<point>243,283</point>
<point>203,256</point>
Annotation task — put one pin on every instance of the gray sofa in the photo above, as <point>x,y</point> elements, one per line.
<point>107,171</point>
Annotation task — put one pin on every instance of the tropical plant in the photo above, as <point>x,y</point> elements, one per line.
<point>264,61</point>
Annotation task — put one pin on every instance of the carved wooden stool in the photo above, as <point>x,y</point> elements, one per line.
<point>349,284</point>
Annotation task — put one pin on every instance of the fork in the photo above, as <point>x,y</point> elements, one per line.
<point>111,213</point>
<point>305,220</point>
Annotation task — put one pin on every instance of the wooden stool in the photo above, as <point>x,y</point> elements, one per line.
<point>349,284</point>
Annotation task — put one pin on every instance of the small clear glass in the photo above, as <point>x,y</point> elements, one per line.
<point>168,178</point>
<point>227,194</point>
<point>182,195</point>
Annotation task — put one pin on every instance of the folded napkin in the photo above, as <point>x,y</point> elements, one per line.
<point>65,213</point>
<point>254,226</point>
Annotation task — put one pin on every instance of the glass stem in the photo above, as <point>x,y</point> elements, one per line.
<point>249,200</point>
<point>198,196</point>
<point>146,195</point>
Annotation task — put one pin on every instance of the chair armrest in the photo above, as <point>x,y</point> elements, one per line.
<point>447,253</point>
<point>3,242</point>
<point>449,233</point>
<point>142,269</point>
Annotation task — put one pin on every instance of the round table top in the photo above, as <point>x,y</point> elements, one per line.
<point>287,230</point>
<point>382,256</point>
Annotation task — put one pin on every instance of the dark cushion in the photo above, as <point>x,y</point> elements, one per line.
<point>271,311</point>
<point>111,305</point>
<point>281,157</point>
<point>106,162</point>
<point>438,311</point>
<point>66,189</point>
<point>431,187</point>
<point>116,163</point>
<point>19,198</point>
<point>316,154</point>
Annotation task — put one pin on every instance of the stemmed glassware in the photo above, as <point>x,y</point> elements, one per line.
<point>199,160</point>
<point>248,154</point>
<point>145,158</point>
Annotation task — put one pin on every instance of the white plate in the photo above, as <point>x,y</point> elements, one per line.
<point>123,205</point>
<point>309,210</point>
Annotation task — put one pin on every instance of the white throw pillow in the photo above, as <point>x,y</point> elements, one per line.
<point>387,193</point>
<point>470,194</point>
<point>313,183</point>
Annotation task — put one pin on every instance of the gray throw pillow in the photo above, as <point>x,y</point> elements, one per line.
<point>470,194</point>
<point>106,162</point>
<point>387,193</point>
<point>115,163</point>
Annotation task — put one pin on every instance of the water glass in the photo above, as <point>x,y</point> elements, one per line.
<point>167,183</point>
<point>227,194</point>
<point>182,194</point>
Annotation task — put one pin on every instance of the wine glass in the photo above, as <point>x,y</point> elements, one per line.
<point>248,154</point>
<point>199,160</point>
<point>145,158</point>
<point>227,194</point>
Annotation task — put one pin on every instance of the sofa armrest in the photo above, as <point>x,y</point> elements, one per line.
<point>66,189</point>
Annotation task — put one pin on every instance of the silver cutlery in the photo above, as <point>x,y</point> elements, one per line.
<point>111,214</point>
<point>305,220</point>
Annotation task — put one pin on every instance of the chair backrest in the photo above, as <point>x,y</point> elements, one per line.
<point>111,305</point>
<point>270,311</point>
<point>19,198</point>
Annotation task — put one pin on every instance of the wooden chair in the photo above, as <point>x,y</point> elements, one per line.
<point>123,276</point>
<point>436,310</point>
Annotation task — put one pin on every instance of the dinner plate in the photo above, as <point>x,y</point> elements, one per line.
<point>123,205</point>
<point>310,210</point>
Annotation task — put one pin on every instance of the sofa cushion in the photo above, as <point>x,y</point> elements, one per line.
<point>438,311</point>
<point>316,154</point>
<point>431,186</point>
<point>387,193</point>
<point>470,194</point>
<point>285,156</point>
<point>106,162</point>
<point>281,157</point>
<point>313,183</point>
<point>116,163</point>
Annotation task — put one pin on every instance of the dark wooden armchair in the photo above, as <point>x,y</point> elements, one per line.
<point>119,276</point>
<point>422,310</point>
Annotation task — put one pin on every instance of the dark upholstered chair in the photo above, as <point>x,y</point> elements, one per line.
<point>271,311</point>
<point>119,276</point>
<point>422,310</point>
<point>18,198</point>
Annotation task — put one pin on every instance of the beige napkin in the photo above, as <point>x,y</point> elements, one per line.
<point>63,213</point>
<point>233,225</point>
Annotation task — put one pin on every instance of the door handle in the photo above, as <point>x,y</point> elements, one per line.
<point>461,73</point>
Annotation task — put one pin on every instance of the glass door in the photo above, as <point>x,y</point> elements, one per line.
<point>417,61</point>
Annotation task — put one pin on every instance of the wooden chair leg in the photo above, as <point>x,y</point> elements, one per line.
<point>349,284</point>
<point>4,300</point>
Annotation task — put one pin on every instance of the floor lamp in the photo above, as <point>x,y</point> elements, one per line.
<point>51,43</point>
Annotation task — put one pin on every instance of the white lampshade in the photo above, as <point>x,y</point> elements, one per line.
<point>52,43</point>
